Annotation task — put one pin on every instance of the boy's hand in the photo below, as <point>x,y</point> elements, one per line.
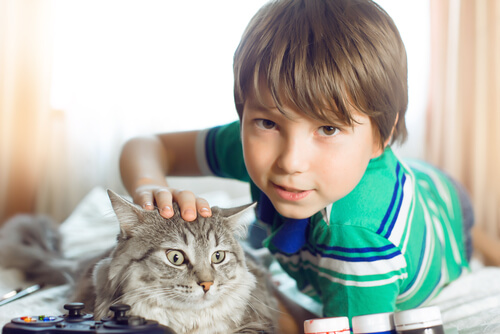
<point>190,205</point>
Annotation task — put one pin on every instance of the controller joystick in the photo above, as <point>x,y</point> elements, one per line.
<point>75,321</point>
<point>120,313</point>
<point>74,309</point>
<point>120,309</point>
<point>75,312</point>
<point>121,318</point>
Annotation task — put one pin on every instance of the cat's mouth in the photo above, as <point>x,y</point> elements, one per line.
<point>204,301</point>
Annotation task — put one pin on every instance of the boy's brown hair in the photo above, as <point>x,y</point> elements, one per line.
<point>324,56</point>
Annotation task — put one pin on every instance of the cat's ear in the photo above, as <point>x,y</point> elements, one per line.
<point>127,213</point>
<point>238,218</point>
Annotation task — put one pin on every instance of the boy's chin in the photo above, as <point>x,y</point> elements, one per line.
<point>296,211</point>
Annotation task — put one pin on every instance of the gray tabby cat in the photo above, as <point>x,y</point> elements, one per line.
<point>191,276</point>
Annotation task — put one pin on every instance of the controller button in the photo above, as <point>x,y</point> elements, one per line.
<point>28,319</point>
<point>136,321</point>
<point>45,318</point>
<point>98,324</point>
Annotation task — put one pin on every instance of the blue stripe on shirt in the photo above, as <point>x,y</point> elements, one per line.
<point>356,250</point>
<point>364,259</point>
<point>393,200</point>
<point>396,214</point>
<point>374,258</point>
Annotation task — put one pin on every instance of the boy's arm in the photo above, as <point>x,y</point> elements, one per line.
<point>146,161</point>
<point>292,315</point>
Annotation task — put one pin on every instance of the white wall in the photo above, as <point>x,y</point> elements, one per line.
<point>154,65</point>
<point>413,21</point>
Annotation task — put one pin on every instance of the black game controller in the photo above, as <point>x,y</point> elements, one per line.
<point>78,322</point>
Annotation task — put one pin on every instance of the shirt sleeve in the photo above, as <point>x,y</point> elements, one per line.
<point>362,274</point>
<point>219,152</point>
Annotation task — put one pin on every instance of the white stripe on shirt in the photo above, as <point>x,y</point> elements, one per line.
<point>361,268</point>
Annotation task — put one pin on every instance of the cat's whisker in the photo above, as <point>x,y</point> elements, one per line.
<point>120,286</point>
<point>266,305</point>
<point>274,309</point>
<point>148,293</point>
<point>143,291</point>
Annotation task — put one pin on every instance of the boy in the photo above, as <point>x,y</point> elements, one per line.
<point>321,91</point>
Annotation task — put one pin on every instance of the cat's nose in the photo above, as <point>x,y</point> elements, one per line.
<point>205,285</point>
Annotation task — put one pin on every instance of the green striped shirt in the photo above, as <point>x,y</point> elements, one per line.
<point>391,244</point>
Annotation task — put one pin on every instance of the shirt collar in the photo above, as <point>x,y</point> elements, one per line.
<point>291,235</point>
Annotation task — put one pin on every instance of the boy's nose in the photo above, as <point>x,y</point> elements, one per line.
<point>294,157</point>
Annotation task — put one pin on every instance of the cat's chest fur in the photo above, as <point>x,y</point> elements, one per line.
<point>214,312</point>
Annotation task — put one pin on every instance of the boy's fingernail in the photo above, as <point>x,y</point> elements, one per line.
<point>205,211</point>
<point>148,206</point>
<point>189,214</point>
<point>166,212</point>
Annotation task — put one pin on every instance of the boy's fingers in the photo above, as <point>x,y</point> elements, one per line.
<point>187,204</point>
<point>145,200</point>
<point>163,199</point>
<point>203,207</point>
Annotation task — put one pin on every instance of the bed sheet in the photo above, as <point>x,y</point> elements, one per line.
<point>469,305</point>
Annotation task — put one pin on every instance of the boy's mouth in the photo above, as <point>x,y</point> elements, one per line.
<point>290,194</point>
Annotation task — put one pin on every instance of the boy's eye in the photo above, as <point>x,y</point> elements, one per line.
<point>328,131</point>
<point>265,124</point>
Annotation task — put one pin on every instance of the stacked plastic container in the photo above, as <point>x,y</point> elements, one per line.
<point>327,326</point>
<point>380,323</point>
<point>426,320</point>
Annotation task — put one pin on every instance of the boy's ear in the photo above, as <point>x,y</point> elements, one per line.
<point>127,213</point>
<point>378,149</point>
<point>388,140</point>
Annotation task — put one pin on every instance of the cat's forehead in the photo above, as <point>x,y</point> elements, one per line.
<point>206,231</point>
<point>176,232</point>
<point>204,227</point>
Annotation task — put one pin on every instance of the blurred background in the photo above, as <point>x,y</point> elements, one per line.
<point>80,77</point>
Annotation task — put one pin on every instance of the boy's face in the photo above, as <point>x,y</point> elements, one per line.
<point>302,164</point>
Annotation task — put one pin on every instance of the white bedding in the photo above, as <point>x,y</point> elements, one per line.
<point>469,305</point>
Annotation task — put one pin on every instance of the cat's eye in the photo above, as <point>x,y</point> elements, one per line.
<point>218,257</point>
<point>176,257</point>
